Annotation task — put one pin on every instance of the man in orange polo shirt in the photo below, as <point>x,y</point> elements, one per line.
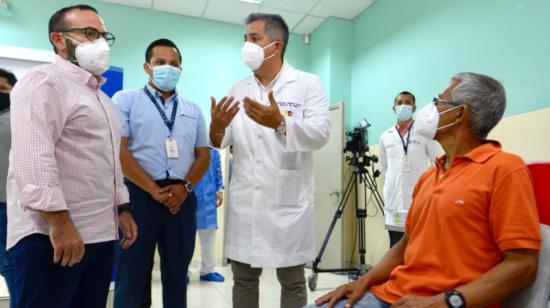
<point>472,232</point>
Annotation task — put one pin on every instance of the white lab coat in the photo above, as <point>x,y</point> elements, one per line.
<point>402,171</point>
<point>270,221</point>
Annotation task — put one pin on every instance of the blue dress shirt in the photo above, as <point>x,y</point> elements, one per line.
<point>147,132</point>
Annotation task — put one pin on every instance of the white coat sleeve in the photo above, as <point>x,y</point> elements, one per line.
<point>312,131</point>
<point>433,150</point>
<point>382,157</point>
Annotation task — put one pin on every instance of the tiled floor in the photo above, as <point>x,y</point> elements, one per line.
<point>218,295</point>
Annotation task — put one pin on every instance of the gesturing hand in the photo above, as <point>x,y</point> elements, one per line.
<point>269,116</point>
<point>223,112</point>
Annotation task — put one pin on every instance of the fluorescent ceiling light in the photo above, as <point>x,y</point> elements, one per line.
<point>251,1</point>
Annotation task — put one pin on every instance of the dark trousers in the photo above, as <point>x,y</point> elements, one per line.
<point>395,236</point>
<point>41,283</point>
<point>7,269</point>
<point>175,237</point>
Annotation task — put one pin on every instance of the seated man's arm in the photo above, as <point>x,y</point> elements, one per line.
<point>355,290</point>
<point>517,270</point>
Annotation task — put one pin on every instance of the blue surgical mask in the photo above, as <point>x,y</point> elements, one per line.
<point>404,112</point>
<point>165,77</point>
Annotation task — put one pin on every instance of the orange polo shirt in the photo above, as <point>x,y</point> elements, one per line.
<point>462,220</point>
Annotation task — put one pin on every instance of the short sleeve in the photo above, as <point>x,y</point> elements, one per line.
<point>201,141</point>
<point>513,213</point>
<point>123,110</point>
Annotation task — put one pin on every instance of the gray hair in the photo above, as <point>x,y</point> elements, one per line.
<point>486,99</point>
<point>275,27</point>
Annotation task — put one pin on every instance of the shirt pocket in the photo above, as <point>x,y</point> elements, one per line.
<point>290,186</point>
<point>186,128</point>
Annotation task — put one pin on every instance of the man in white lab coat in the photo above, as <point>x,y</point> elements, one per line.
<point>274,119</point>
<point>404,156</point>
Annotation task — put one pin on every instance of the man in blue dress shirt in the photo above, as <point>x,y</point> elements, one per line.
<point>164,152</point>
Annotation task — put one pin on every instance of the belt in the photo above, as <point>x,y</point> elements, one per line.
<point>166,182</point>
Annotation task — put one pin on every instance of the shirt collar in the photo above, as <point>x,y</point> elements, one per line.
<point>405,127</point>
<point>479,155</point>
<point>159,96</point>
<point>285,75</point>
<point>83,76</point>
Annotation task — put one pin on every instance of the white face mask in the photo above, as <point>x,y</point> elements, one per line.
<point>253,55</point>
<point>427,120</point>
<point>93,56</point>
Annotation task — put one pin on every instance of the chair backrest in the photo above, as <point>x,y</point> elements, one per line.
<point>540,173</point>
<point>537,294</point>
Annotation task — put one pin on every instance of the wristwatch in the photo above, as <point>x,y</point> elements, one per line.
<point>125,207</point>
<point>455,299</point>
<point>281,129</point>
<point>188,185</point>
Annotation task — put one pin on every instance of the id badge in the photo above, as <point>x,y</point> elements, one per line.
<point>397,218</point>
<point>171,147</point>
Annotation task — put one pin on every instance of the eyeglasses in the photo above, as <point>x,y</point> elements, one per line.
<point>436,101</point>
<point>93,34</point>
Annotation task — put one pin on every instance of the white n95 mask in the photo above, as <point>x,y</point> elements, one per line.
<point>427,120</point>
<point>93,56</point>
<point>253,55</point>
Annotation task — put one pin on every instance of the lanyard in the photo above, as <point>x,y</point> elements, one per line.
<point>170,123</point>
<point>405,145</point>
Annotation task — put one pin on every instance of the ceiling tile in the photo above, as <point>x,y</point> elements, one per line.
<point>301,6</point>
<point>189,8</point>
<point>346,9</point>
<point>309,24</point>
<point>147,4</point>
<point>292,19</point>
<point>229,10</point>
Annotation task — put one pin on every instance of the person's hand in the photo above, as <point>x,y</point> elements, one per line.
<point>410,301</point>
<point>269,116</point>
<point>354,291</point>
<point>222,113</point>
<point>219,198</point>
<point>176,196</point>
<point>129,229</point>
<point>68,246</point>
<point>159,194</point>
